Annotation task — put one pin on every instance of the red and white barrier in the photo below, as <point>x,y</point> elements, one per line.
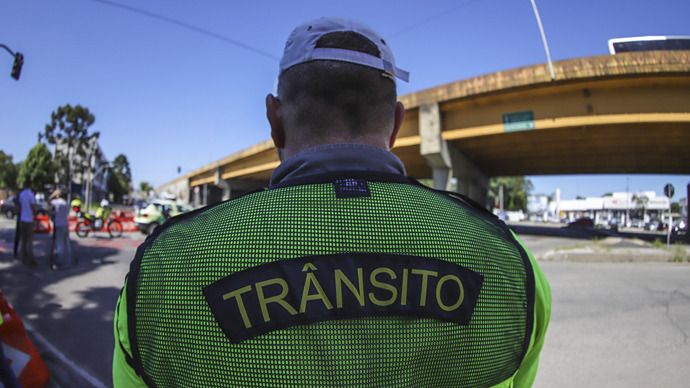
<point>42,223</point>
<point>26,363</point>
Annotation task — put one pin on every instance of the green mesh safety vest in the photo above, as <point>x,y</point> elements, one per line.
<point>348,281</point>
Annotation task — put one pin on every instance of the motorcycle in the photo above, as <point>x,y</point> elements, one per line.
<point>102,220</point>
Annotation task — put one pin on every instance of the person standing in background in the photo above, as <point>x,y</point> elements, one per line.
<point>63,245</point>
<point>27,207</point>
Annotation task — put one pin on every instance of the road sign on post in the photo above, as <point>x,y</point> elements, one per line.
<point>669,190</point>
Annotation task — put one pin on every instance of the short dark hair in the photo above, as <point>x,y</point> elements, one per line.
<point>316,93</point>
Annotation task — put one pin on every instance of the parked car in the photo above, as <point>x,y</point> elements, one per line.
<point>583,221</point>
<point>155,213</point>
<point>636,224</point>
<point>655,225</point>
<point>680,228</point>
<point>42,207</point>
<point>8,207</point>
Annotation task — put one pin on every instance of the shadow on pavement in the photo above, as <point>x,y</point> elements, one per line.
<point>58,302</point>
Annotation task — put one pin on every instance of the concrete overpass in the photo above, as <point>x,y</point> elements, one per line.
<point>614,114</point>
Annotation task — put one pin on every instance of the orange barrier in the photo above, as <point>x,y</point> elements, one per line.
<point>26,363</point>
<point>42,223</point>
<point>126,218</point>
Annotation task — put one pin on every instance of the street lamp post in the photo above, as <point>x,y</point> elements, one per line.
<point>543,38</point>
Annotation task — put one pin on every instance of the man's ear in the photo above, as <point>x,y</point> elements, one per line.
<point>399,118</point>
<point>275,119</point>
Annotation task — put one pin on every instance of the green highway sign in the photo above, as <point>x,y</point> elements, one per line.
<point>518,121</point>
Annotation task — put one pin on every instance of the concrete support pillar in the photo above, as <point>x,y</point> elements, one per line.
<point>446,161</point>
<point>183,191</point>
<point>433,148</point>
<point>471,181</point>
<point>222,183</point>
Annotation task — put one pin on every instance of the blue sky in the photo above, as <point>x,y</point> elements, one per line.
<point>182,83</point>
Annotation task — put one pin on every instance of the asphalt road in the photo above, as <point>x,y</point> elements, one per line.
<point>71,310</point>
<point>614,324</point>
<point>617,325</point>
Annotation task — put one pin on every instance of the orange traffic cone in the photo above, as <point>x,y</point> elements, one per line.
<point>24,359</point>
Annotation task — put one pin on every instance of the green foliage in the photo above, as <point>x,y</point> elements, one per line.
<point>120,178</point>
<point>675,207</point>
<point>145,187</point>
<point>516,189</point>
<point>8,172</point>
<point>680,254</point>
<point>640,201</point>
<point>427,182</point>
<point>39,167</point>
<point>68,131</point>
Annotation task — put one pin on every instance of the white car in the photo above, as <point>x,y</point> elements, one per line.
<point>155,213</point>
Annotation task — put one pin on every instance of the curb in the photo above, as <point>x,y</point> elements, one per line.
<point>618,250</point>
<point>63,372</point>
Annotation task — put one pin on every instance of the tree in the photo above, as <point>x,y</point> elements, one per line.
<point>145,187</point>
<point>640,201</point>
<point>675,207</point>
<point>516,189</point>
<point>39,167</point>
<point>120,178</point>
<point>68,132</point>
<point>8,172</point>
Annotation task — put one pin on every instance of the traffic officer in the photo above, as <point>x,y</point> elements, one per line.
<point>345,272</point>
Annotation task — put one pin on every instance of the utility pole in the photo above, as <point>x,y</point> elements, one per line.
<point>669,191</point>
<point>687,213</point>
<point>500,201</point>
<point>627,202</point>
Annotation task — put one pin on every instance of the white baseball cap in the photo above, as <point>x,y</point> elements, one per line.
<point>301,47</point>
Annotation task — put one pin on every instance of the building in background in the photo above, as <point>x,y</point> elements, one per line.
<point>89,183</point>
<point>625,209</point>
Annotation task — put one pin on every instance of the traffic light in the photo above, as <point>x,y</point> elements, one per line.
<point>17,66</point>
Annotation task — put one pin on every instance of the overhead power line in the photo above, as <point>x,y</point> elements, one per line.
<point>189,27</point>
<point>431,18</point>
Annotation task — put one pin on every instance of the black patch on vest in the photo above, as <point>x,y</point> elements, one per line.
<point>312,289</point>
<point>351,188</point>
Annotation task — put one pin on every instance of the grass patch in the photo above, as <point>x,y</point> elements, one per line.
<point>680,254</point>
<point>595,245</point>
<point>658,243</point>
<point>570,248</point>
